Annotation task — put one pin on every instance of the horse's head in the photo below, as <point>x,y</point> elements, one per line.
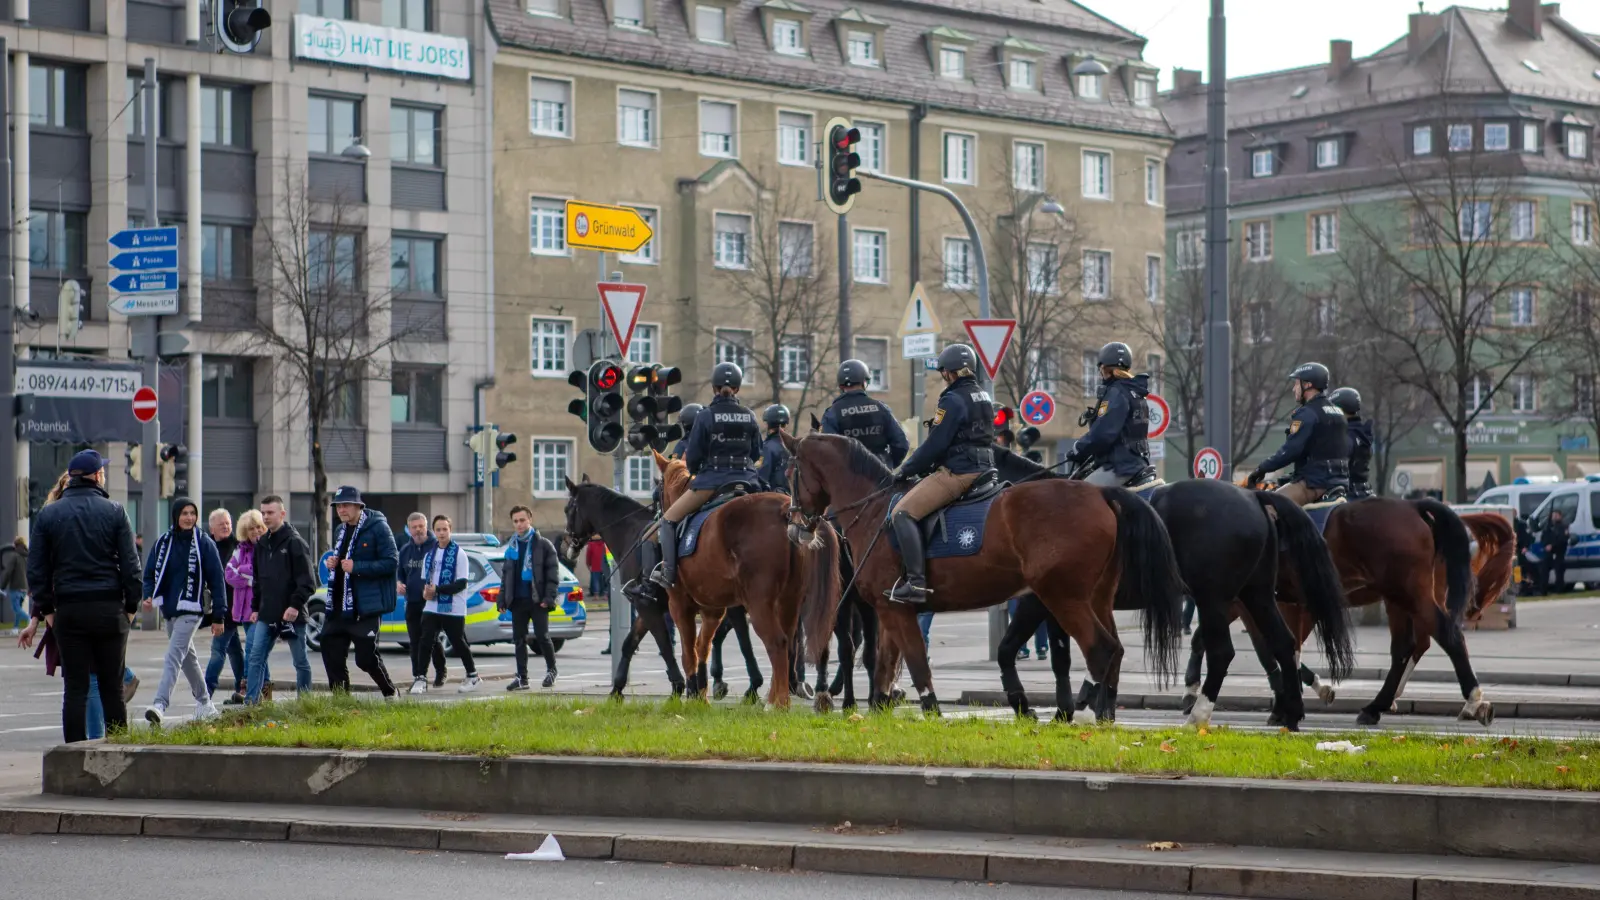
<point>674,478</point>
<point>580,523</point>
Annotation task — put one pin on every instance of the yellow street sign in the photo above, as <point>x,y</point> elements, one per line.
<point>919,317</point>
<point>614,229</point>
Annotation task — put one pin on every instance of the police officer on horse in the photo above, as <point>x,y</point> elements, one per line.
<point>1118,439</point>
<point>957,452</point>
<point>1316,445</point>
<point>686,422</point>
<point>854,414</point>
<point>774,468</point>
<point>1359,431</point>
<point>722,450</point>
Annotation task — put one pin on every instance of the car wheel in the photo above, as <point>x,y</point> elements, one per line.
<point>316,614</point>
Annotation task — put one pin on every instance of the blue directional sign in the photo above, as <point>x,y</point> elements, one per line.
<point>145,282</point>
<point>146,239</point>
<point>145,260</point>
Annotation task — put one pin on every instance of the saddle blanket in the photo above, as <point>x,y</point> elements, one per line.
<point>956,530</point>
<point>689,531</point>
<point>1148,491</point>
<point>1319,513</point>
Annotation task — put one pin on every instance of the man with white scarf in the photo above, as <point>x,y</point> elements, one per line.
<point>360,593</point>
<point>182,569</point>
<point>444,578</point>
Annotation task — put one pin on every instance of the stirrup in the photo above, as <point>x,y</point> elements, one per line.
<point>912,593</point>
<point>658,576</point>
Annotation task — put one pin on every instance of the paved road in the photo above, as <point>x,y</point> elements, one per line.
<point>157,869</point>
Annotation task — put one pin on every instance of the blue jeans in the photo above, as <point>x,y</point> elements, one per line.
<point>229,648</point>
<point>925,622</point>
<point>19,619</point>
<point>1041,638</point>
<point>96,716</point>
<point>258,646</point>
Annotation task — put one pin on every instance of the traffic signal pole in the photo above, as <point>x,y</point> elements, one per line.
<point>1218,357</point>
<point>8,375</point>
<point>619,610</point>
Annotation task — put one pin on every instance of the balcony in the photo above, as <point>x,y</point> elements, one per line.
<point>416,187</point>
<point>418,448</point>
<point>333,180</point>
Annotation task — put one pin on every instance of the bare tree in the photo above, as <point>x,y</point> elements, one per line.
<point>322,317</point>
<point>1395,409</point>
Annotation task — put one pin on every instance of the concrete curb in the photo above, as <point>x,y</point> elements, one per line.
<point>1544,825</point>
<point>1012,868</point>
<point>1531,709</point>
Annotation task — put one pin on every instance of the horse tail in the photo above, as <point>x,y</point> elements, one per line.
<point>1149,579</point>
<point>819,562</point>
<point>1452,543</point>
<point>1497,548</point>
<point>1318,578</point>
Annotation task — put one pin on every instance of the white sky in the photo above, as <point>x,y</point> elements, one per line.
<point>1267,35</point>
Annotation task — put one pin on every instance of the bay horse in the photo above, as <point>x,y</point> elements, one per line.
<point>1228,542</point>
<point>745,557</point>
<point>1109,544</point>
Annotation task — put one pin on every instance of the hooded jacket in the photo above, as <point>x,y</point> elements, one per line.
<point>170,591</point>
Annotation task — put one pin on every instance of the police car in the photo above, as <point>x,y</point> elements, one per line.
<point>1579,503</point>
<point>570,616</point>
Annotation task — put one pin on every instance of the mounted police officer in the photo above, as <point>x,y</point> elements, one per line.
<point>1359,432</point>
<point>1316,445</point>
<point>854,414</point>
<point>723,447</point>
<point>1118,440</point>
<point>686,422</point>
<point>956,453</point>
<point>774,468</point>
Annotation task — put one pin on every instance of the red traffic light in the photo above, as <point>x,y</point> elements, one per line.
<point>1002,416</point>
<point>843,138</point>
<point>608,378</point>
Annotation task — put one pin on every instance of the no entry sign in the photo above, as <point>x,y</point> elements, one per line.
<point>145,403</point>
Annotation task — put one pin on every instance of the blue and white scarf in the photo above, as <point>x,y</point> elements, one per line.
<point>346,589</point>
<point>189,601</point>
<point>449,556</point>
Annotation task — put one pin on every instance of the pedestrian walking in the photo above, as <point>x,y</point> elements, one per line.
<point>1556,538</point>
<point>240,574</point>
<point>444,577</point>
<point>84,573</point>
<point>596,556</point>
<point>14,580</point>
<point>362,589</point>
<point>532,579</point>
<point>412,555</point>
<point>182,570</point>
<point>282,583</point>
<point>226,647</point>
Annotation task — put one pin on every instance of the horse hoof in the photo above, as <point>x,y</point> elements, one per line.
<point>1325,693</point>
<point>752,696</point>
<point>719,690</point>
<point>1485,714</point>
<point>805,690</point>
<point>1367,718</point>
<point>1063,716</point>
<point>823,703</point>
<point>930,704</point>
<point>897,697</point>
<point>848,705</point>
<point>678,688</point>
<point>1105,718</point>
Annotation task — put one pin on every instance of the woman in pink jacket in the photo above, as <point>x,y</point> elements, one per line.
<point>240,573</point>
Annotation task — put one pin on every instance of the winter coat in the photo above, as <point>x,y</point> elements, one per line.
<point>241,577</point>
<point>283,574</point>
<point>81,549</point>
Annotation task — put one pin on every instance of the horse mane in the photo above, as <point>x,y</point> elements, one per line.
<point>674,477</point>
<point>861,461</point>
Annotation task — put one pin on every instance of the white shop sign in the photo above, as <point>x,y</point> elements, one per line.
<point>377,47</point>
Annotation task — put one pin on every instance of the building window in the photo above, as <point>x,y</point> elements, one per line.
<point>786,37</point>
<point>794,360</point>
<point>548,348</point>
<point>1476,220</point>
<point>730,241</point>
<point>1259,324</point>
<point>732,346</point>
<point>412,15</point>
<point>1497,136</point>
<point>333,124</point>
<point>1096,274</point>
<point>642,469</point>
<point>547,227</point>
<point>549,100</point>
<point>645,255</point>
<point>717,128</point>
<point>1091,87</point>
<point>1577,143</point>
<point>344,396</point>
<point>1460,138</point>
<point>1328,153</point>
<point>1152,182</point>
<point>711,24</point>
<point>416,397</point>
<point>226,389</point>
<point>870,251</point>
<point>1258,240</point>
<point>1152,279</point>
<point>952,62</point>
<point>1480,394</point>
<point>1144,91</point>
<point>327,9</point>
<point>1044,269</point>
<point>1044,370</point>
<point>863,48</point>
<point>1324,233</point>
<point>1532,135</point>
<point>1524,394</point>
<point>628,13</point>
<point>1583,224</point>
<point>1422,141</point>
<point>224,254</point>
<point>1090,374</point>
<point>875,353</point>
<point>795,241</point>
<point>414,265</point>
<point>871,146</point>
<point>642,349</point>
<point>1261,163</point>
<point>57,98</point>
<point>1524,220</point>
<point>414,134</point>
<point>1191,249</point>
<point>794,139</point>
<point>552,466</point>
<point>1024,75</point>
<point>957,264</point>
<point>218,125</point>
<point>333,259</point>
<point>636,118</point>
<point>1325,312</point>
<point>958,158</point>
<point>1097,174</point>
<point>57,241</point>
<point>1522,307</point>
<point>1027,166</point>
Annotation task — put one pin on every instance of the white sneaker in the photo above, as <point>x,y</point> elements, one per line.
<point>419,686</point>
<point>153,714</point>
<point>469,684</point>
<point>208,711</point>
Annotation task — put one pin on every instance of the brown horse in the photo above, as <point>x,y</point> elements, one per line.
<point>1105,545</point>
<point>745,558</point>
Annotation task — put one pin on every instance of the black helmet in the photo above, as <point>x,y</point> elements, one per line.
<point>1314,374</point>
<point>1347,399</point>
<point>726,375</point>
<point>956,357</point>
<point>853,371</point>
<point>686,416</point>
<point>776,415</point>
<point>1117,355</point>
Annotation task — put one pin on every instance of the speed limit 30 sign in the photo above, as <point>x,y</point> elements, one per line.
<point>1208,463</point>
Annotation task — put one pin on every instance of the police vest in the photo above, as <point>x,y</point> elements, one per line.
<point>863,418</point>
<point>729,433</point>
<point>975,440</point>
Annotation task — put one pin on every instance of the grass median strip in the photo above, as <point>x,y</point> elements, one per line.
<point>695,731</point>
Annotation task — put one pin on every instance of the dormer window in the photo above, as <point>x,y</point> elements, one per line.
<point>1576,133</point>
<point>1144,91</point>
<point>1497,137</point>
<point>711,24</point>
<point>1532,137</point>
<point>1460,138</point>
<point>947,52</point>
<point>1328,153</point>
<point>786,37</point>
<point>628,14</point>
<point>1263,163</point>
<point>1422,140</point>
<point>1024,74</point>
<point>952,63</point>
<point>860,38</point>
<point>863,48</point>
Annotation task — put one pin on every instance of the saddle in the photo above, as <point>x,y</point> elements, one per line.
<point>1322,509</point>
<point>689,531</point>
<point>955,529</point>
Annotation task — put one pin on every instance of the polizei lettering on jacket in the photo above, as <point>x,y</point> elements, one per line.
<point>980,397</point>
<point>734,417</point>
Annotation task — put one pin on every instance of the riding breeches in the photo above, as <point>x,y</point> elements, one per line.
<point>1301,493</point>
<point>931,494</point>
<point>687,505</point>
<point>1106,476</point>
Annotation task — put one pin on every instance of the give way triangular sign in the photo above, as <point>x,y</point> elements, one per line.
<point>622,303</point>
<point>990,337</point>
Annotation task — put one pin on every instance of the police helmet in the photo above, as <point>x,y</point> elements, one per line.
<point>776,416</point>
<point>1314,374</point>
<point>956,357</point>
<point>1117,355</point>
<point>852,371</point>
<point>686,416</point>
<point>726,375</point>
<point>1347,399</point>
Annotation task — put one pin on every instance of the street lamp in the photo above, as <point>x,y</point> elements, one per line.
<point>1052,206</point>
<point>356,150</point>
<point>1091,67</point>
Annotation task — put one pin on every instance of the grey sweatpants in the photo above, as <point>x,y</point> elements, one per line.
<point>181,655</point>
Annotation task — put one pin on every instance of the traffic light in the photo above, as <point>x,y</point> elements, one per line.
<point>580,407</point>
<point>1026,438</point>
<point>1002,417</point>
<point>238,23</point>
<point>504,457</point>
<point>483,439</point>
<point>652,407</point>
<point>840,183</point>
<point>134,457</point>
<point>641,407</point>
<point>666,406</point>
<point>604,408</point>
<point>174,470</point>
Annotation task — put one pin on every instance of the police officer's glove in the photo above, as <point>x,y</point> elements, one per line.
<point>1257,477</point>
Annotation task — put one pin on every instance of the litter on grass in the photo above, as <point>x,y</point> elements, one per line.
<point>1340,747</point>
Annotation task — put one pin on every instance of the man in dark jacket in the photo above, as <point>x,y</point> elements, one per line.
<point>1358,437</point>
<point>84,572</point>
<point>1555,539</point>
<point>1317,445</point>
<point>183,577</point>
<point>855,414</point>
<point>284,582</point>
<point>409,584</point>
<point>529,589</point>
<point>14,579</point>
<point>362,589</point>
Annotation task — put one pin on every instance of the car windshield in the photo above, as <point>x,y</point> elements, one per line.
<point>1530,501</point>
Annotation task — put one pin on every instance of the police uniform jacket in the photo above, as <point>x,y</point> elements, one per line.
<point>774,468</point>
<point>854,414</point>
<point>1359,433</point>
<point>1119,437</point>
<point>963,432</point>
<point>724,445</point>
<point>1317,446</point>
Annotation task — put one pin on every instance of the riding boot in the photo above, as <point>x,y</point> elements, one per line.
<point>666,574</point>
<point>642,588</point>
<point>913,588</point>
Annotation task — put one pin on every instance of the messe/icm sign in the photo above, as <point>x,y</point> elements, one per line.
<point>377,47</point>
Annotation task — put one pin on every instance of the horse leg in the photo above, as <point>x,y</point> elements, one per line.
<point>797,661</point>
<point>871,637</point>
<point>741,633</point>
<point>1029,614</point>
<point>710,619</point>
<point>1401,642</point>
<point>901,624</point>
<point>843,678</point>
<point>1193,672</point>
<point>775,637</point>
<point>658,629</point>
<point>1060,666</point>
<point>1099,646</point>
<point>883,668</point>
<point>719,688</point>
<point>630,645</point>
<point>1276,646</point>
<point>683,615</point>
<point>1454,642</point>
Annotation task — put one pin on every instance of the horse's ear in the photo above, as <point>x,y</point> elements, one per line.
<point>661,461</point>
<point>789,441</point>
<point>586,478</point>
<point>816,424</point>
<point>571,488</point>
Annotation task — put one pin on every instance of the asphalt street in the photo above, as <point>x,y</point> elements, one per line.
<point>65,866</point>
